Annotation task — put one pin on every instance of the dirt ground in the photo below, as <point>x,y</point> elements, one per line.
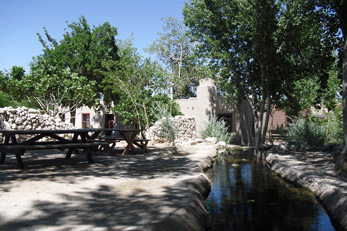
<point>114,193</point>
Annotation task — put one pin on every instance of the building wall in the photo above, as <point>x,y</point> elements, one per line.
<point>208,101</point>
<point>97,116</point>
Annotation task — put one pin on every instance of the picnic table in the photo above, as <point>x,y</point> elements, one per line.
<point>128,135</point>
<point>85,139</point>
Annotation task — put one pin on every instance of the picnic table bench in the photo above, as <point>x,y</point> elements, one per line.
<point>141,143</point>
<point>11,145</point>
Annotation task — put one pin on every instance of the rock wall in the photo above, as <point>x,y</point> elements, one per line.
<point>185,127</point>
<point>315,171</point>
<point>23,118</point>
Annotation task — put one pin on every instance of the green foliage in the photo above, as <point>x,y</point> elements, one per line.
<point>83,50</point>
<point>138,85</point>
<point>263,47</point>
<point>304,133</point>
<point>333,124</point>
<point>146,104</point>
<point>177,51</point>
<point>305,92</point>
<point>52,89</point>
<point>6,101</point>
<point>217,128</point>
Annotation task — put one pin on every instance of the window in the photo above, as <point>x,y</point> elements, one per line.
<point>85,120</point>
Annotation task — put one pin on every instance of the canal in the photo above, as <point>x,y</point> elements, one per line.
<point>246,195</point>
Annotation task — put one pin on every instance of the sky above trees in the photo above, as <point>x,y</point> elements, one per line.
<point>20,20</point>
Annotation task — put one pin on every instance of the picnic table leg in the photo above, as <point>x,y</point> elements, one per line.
<point>108,149</point>
<point>19,159</point>
<point>3,154</point>
<point>144,146</point>
<point>70,150</point>
<point>130,141</point>
<point>89,156</point>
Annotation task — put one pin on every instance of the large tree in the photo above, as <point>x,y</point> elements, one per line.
<point>82,50</point>
<point>340,7</point>
<point>52,90</point>
<point>139,83</point>
<point>261,48</point>
<point>177,52</point>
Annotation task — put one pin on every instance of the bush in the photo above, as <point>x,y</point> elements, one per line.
<point>217,128</point>
<point>6,101</point>
<point>304,133</point>
<point>333,124</point>
<point>167,127</point>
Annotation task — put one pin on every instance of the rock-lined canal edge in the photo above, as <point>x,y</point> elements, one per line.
<point>192,216</point>
<point>315,171</point>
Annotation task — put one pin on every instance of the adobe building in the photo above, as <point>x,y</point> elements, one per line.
<point>200,107</point>
<point>239,121</point>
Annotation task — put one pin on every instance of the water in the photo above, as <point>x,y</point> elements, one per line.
<point>246,195</point>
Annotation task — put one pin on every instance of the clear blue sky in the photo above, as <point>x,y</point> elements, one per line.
<point>20,20</point>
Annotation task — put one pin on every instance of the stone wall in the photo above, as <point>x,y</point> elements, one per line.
<point>185,127</point>
<point>23,118</point>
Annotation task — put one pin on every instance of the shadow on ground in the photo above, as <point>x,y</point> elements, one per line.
<point>84,203</point>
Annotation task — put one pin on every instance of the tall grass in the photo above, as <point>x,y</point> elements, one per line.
<point>217,128</point>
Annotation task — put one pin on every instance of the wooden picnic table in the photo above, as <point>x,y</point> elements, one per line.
<point>128,135</point>
<point>82,138</point>
<point>78,141</point>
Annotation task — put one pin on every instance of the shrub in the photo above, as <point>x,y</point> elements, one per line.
<point>217,128</point>
<point>167,126</point>
<point>304,133</point>
<point>333,124</point>
<point>6,101</point>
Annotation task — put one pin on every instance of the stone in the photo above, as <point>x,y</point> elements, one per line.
<point>211,140</point>
<point>185,127</point>
<point>22,118</point>
<point>33,111</point>
<point>282,146</point>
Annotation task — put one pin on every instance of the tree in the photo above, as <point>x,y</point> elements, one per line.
<point>176,50</point>
<point>82,51</point>
<point>57,92</point>
<point>340,8</point>
<point>52,90</point>
<point>138,84</point>
<point>10,82</point>
<point>261,48</point>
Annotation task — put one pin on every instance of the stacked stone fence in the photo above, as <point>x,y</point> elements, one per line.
<point>23,118</point>
<point>185,127</point>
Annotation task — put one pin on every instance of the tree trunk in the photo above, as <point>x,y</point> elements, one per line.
<point>341,163</point>
<point>73,117</point>
<point>267,117</point>
<point>341,7</point>
<point>260,123</point>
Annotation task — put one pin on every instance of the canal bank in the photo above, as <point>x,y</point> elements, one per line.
<point>314,171</point>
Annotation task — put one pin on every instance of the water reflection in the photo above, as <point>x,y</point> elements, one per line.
<point>246,195</point>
